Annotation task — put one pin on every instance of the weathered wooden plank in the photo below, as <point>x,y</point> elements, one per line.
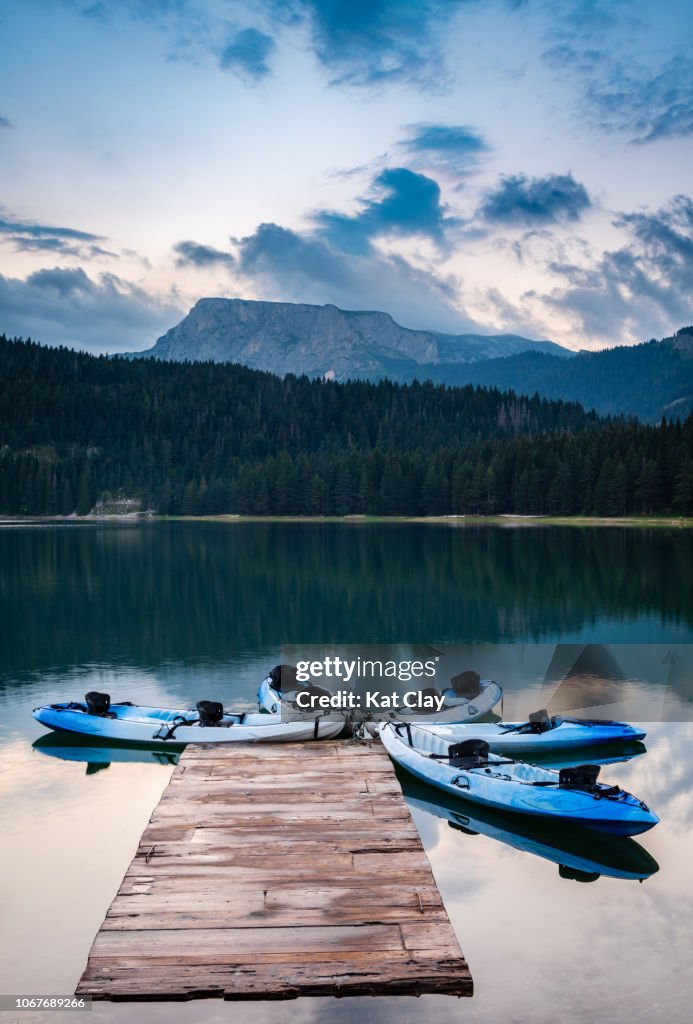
<point>332,845</point>
<point>311,939</point>
<point>206,915</point>
<point>376,785</point>
<point>349,777</point>
<point>243,981</point>
<point>209,917</point>
<point>252,813</point>
<point>174,889</point>
<point>243,830</point>
<point>174,883</point>
<point>333,899</point>
<point>362,841</point>
<point>275,871</point>
<point>103,967</point>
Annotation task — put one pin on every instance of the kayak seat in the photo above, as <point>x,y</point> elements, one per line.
<point>583,776</point>
<point>211,712</point>
<point>576,875</point>
<point>283,678</point>
<point>539,721</point>
<point>99,704</point>
<point>468,754</point>
<point>466,684</point>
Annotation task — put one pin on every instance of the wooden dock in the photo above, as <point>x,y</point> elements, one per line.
<point>273,871</point>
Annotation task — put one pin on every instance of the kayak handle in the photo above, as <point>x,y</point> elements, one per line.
<point>178,720</point>
<point>462,781</point>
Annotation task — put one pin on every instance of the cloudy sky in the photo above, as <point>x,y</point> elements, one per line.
<point>485,165</point>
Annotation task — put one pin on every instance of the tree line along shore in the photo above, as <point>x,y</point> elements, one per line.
<point>82,433</point>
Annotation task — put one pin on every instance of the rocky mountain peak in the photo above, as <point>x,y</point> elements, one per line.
<point>325,341</point>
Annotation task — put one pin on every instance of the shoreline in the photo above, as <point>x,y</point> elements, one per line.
<point>506,520</point>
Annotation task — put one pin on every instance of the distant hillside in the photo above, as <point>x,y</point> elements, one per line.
<point>79,432</point>
<point>323,341</point>
<point>649,381</point>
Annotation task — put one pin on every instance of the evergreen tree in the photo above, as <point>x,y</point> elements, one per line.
<point>84,500</point>
<point>683,495</point>
<point>648,486</point>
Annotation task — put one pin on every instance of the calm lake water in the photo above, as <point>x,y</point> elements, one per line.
<point>170,613</point>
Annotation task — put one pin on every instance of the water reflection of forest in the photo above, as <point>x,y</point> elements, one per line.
<point>156,591</point>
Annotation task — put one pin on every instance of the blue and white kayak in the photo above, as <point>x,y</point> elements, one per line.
<point>470,771</point>
<point>279,693</point>
<point>137,723</point>
<point>541,734</point>
<point>581,855</point>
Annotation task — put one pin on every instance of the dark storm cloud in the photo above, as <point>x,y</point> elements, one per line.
<point>62,281</point>
<point>357,42</point>
<point>621,91</point>
<point>197,255</point>
<point>336,259</point>
<point>667,234</point>
<point>277,252</point>
<point>454,144</point>
<point>644,286</point>
<point>248,54</point>
<point>404,203</point>
<point>195,30</point>
<point>646,106</point>
<point>66,306</point>
<point>368,42</point>
<point>31,237</point>
<point>43,231</point>
<point>519,199</point>
<point>307,268</point>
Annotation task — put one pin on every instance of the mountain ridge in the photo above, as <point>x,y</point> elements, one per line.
<point>649,380</point>
<point>322,341</point>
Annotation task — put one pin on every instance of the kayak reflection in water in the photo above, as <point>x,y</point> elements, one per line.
<point>582,855</point>
<point>99,754</point>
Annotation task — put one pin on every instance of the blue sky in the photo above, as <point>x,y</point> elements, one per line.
<point>485,165</point>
